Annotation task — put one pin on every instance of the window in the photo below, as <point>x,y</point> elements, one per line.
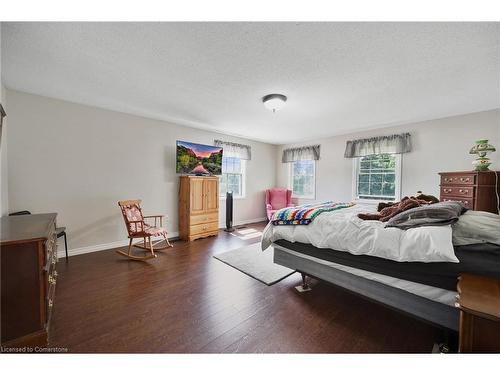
<point>233,177</point>
<point>377,177</point>
<point>302,178</point>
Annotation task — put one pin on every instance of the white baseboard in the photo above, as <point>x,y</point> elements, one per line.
<point>242,222</point>
<point>112,245</point>
<point>106,246</point>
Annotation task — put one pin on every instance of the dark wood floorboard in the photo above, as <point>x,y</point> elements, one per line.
<point>186,301</point>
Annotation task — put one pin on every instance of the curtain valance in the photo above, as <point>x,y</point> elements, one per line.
<point>301,153</point>
<point>388,144</point>
<point>235,150</point>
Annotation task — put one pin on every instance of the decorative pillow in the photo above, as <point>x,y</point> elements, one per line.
<point>442,213</point>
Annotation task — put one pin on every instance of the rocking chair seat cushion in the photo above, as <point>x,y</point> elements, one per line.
<point>154,231</point>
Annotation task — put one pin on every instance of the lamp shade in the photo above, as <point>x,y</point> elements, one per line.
<point>274,102</point>
<point>481,148</point>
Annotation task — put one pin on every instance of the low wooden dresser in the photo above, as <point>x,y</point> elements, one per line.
<point>475,190</point>
<point>28,247</point>
<point>479,304</point>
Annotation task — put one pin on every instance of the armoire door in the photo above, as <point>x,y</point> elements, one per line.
<point>197,196</point>
<point>211,192</point>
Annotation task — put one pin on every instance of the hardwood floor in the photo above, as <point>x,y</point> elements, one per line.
<point>186,301</point>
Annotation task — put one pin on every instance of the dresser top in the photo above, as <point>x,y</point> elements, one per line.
<point>467,172</point>
<point>479,295</point>
<point>196,176</point>
<point>24,228</point>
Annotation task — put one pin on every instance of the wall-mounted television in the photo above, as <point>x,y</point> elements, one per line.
<point>195,158</point>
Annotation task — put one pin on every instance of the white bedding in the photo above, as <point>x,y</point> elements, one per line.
<point>343,230</point>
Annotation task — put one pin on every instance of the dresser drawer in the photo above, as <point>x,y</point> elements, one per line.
<point>467,202</point>
<point>205,218</point>
<point>462,191</point>
<point>458,179</point>
<point>203,228</point>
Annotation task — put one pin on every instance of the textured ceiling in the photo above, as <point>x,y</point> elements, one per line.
<point>339,77</point>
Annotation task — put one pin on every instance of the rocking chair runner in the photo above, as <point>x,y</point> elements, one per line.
<point>138,228</point>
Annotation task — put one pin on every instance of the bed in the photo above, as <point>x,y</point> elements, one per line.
<point>413,271</point>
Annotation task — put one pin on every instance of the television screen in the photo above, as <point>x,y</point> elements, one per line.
<point>193,158</point>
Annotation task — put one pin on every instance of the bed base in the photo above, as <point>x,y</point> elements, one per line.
<point>444,316</point>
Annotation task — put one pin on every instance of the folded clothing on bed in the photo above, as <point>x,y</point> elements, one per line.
<point>442,213</point>
<point>390,209</point>
<point>305,214</point>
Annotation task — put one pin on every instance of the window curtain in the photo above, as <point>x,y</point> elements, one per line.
<point>389,144</point>
<point>301,153</point>
<point>235,150</point>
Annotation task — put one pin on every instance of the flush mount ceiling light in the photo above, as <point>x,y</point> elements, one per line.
<point>274,102</point>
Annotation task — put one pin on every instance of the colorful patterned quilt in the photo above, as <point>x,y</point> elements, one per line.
<point>305,214</point>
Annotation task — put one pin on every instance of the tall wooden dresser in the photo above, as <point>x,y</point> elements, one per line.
<point>198,207</point>
<point>28,247</point>
<point>475,190</point>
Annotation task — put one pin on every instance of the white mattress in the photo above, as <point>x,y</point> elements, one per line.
<point>432,293</point>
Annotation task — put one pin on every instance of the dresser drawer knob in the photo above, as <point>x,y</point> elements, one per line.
<point>447,190</point>
<point>464,179</point>
<point>463,191</point>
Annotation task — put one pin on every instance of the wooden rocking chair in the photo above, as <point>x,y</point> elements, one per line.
<point>138,228</point>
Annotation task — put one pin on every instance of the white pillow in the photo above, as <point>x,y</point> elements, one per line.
<point>428,244</point>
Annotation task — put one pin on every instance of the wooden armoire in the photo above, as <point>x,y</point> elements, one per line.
<point>198,207</point>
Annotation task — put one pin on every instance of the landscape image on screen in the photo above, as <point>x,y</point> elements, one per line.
<point>194,158</point>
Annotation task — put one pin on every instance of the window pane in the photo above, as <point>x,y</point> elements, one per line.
<point>375,188</point>
<point>365,177</point>
<point>302,178</point>
<point>390,177</point>
<point>389,189</point>
<point>232,176</point>
<point>363,188</point>
<point>377,177</point>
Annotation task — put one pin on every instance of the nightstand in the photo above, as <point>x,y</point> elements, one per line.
<point>479,303</point>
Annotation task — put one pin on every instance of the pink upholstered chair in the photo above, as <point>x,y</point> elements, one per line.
<point>276,199</point>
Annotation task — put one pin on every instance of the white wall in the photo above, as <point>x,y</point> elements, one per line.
<point>438,145</point>
<point>4,198</point>
<point>79,161</point>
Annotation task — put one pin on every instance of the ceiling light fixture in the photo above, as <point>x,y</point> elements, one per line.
<point>274,102</point>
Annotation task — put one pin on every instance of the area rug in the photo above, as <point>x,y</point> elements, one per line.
<point>256,263</point>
